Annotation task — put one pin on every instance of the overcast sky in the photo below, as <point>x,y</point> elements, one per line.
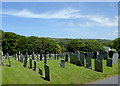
<point>93,20</point>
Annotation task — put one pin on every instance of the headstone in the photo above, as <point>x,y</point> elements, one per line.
<point>16,56</point>
<point>9,60</point>
<point>40,56</point>
<point>55,56</point>
<point>47,73</point>
<point>88,63</point>
<point>105,55</point>
<point>35,65</point>
<point>78,61</point>
<point>21,58</point>
<point>98,65</point>
<point>49,55</point>
<point>119,54</point>
<point>31,63</point>
<point>66,57</point>
<point>45,59</point>
<point>33,56</point>
<point>25,61</point>
<point>82,56</point>
<point>115,58</point>
<point>95,55</point>
<point>62,63</point>
<point>100,57</point>
<point>111,54</point>
<point>37,57</point>
<point>40,72</point>
<point>109,62</point>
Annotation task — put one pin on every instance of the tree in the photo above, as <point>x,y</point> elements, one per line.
<point>116,43</point>
<point>59,49</point>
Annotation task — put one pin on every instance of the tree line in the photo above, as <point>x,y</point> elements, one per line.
<point>13,43</point>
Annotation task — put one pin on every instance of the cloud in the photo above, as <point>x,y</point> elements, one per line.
<point>68,13</point>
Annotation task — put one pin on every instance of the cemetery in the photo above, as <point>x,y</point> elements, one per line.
<point>63,68</point>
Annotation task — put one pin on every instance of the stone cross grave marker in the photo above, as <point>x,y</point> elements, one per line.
<point>47,73</point>
<point>115,58</point>
<point>62,63</point>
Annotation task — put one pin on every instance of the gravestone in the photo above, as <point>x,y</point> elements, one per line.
<point>88,63</point>
<point>40,71</point>
<point>109,62</point>
<point>21,58</point>
<point>101,52</point>
<point>33,56</point>
<point>25,60</point>
<point>49,55</point>
<point>16,56</point>
<point>55,55</point>
<point>40,56</point>
<point>85,55</point>
<point>37,57</point>
<point>105,55</point>
<point>47,73</point>
<point>82,56</point>
<point>115,58</point>
<point>31,63</point>
<point>119,54</point>
<point>35,65</point>
<point>8,60</point>
<point>62,63</point>
<point>98,65</point>
<point>111,54</point>
<point>66,57</point>
<point>100,57</point>
<point>45,59</point>
<point>78,62</point>
<point>89,54</point>
<point>95,55</point>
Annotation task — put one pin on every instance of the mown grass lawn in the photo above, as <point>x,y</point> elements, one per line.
<point>72,74</point>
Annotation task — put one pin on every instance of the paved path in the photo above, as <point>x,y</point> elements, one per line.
<point>110,80</point>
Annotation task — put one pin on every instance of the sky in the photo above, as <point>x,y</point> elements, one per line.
<point>86,20</point>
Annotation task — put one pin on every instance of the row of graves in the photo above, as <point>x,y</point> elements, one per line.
<point>76,58</point>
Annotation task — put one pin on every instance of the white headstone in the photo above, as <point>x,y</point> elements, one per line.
<point>115,58</point>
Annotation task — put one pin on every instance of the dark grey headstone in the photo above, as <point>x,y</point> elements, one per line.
<point>111,54</point>
<point>25,61</point>
<point>49,55</point>
<point>62,63</point>
<point>33,56</point>
<point>31,63</point>
<point>100,57</point>
<point>66,57</point>
<point>82,59</point>
<point>95,55</point>
<point>98,65</point>
<point>37,57</point>
<point>57,56</point>
<point>119,54</point>
<point>105,55</point>
<point>88,63</point>
<point>35,65</point>
<point>40,56</point>
<point>40,71</point>
<point>47,73</point>
<point>109,62</point>
<point>45,59</point>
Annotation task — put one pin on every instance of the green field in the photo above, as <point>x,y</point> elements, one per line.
<point>72,74</point>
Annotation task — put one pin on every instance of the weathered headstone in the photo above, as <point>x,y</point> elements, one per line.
<point>95,55</point>
<point>25,61</point>
<point>88,63</point>
<point>31,63</point>
<point>115,58</point>
<point>78,61</point>
<point>37,57</point>
<point>35,65</point>
<point>40,56</point>
<point>109,62</point>
<point>33,56</point>
<point>57,56</point>
<point>16,56</point>
<point>82,56</point>
<point>8,60</point>
<point>45,59</point>
<point>100,57</point>
<point>47,73</point>
<point>105,55</point>
<point>21,58</point>
<point>111,54</point>
<point>62,63</point>
<point>49,55</point>
<point>40,72</point>
<point>66,57</point>
<point>98,65</point>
